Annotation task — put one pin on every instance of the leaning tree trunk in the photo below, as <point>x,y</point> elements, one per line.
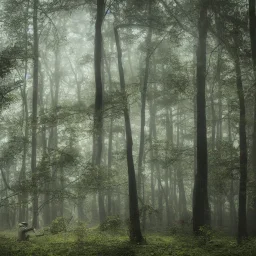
<point>98,114</point>
<point>35,222</point>
<point>135,231</point>
<point>201,212</point>
<point>242,219</point>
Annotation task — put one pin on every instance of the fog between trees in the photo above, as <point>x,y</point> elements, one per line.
<point>139,110</point>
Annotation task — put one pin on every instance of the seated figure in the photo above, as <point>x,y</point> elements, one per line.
<point>23,231</point>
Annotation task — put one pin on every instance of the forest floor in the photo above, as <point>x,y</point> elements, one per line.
<point>96,243</point>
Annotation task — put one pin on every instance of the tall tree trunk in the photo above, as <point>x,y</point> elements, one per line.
<point>110,138</point>
<point>201,211</point>
<point>252,25</point>
<point>195,123</point>
<point>169,214</point>
<point>242,219</point>
<point>143,102</point>
<point>213,147</point>
<point>46,170</point>
<point>55,100</point>
<point>152,164</point>
<point>98,114</point>
<point>22,178</point>
<point>135,231</point>
<point>183,214</point>
<point>232,208</point>
<point>35,222</point>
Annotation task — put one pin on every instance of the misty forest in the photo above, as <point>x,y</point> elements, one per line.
<point>128,127</point>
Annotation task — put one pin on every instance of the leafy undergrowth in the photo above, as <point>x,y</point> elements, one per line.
<point>94,242</point>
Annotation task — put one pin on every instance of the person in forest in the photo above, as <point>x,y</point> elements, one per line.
<point>23,231</point>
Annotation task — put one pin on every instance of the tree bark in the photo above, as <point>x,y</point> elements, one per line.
<point>56,205</point>
<point>152,164</point>
<point>135,231</point>
<point>98,114</point>
<point>242,219</point>
<point>252,26</point>
<point>35,222</point>
<point>22,178</point>
<point>46,171</point>
<point>201,211</point>
<point>183,214</point>
<point>110,138</point>
<point>143,102</point>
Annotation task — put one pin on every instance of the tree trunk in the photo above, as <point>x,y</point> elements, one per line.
<point>35,222</point>
<point>98,114</point>
<point>169,144</point>
<point>183,214</point>
<point>143,103</point>
<point>135,231</point>
<point>242,220</point>
<point>201,211</point>
<point>22,178</point>
<point>56,204</point>
<point>46,171</point>
<point>110,138</point>
<point>152,164</point>
<point>252,25</point>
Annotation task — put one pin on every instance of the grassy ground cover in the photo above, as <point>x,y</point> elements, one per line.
<point>94,242</point>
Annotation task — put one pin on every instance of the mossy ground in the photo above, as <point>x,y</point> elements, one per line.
<point>94,242</point>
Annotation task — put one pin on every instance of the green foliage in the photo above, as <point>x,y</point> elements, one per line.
<point>97,243</point>
<point>112,223</point>
<point>80,231</point>
<point>206,234</point>
<point>11,149</point>
<point>58,225</point>
<point>8,58</point>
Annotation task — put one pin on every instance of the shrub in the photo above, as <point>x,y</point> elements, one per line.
<point>111,223</point>
<point>80,231</point>
<point>206,234</point>
<point>58,225</point>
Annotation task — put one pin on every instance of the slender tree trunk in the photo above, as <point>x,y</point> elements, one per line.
<point>169,213</point>
<point>56,205</point>
<point>143,103</point>
<point>110,138</point>
<point>183,214</point>
<point>232,208</point>
<point>201,211</point>
<point>195,124</point>
<point>219,127</point>
<point>252,25</point>
<point>46,171</point>
<point>242,220</point>
<point>35,222</point>
<point>152,164</point>
<point>135,231</point>
<point>213,121</point>
<point>98,114</point>
<point>24,195</point>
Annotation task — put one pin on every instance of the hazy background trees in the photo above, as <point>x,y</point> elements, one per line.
<point>162,89</point>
